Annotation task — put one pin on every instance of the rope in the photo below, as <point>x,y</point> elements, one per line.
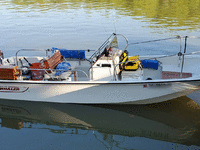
<point>177,37</point>
<point>174,55</point>
<point>192,53</point>
<point>162,56</point>
<point>193,37</point>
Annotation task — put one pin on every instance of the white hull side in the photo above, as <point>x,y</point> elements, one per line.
<point>95,93</point>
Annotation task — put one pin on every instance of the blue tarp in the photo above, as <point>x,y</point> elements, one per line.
<point>78,54</point>
<point>62,67</point>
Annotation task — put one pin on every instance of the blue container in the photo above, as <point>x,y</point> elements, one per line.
<point>153,64</point>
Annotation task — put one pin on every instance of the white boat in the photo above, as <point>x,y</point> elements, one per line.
<point>109,76</point>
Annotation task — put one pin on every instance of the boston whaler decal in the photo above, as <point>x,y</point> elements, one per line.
<point>13,89</point>
<point>156,85</point>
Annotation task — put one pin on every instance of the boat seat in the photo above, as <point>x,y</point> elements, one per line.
<point>53,61</point>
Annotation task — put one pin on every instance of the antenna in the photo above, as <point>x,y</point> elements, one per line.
<point>115,28</point>
<point>114,23</point>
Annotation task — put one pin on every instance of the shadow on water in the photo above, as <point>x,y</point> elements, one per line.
<point>176,121</point>
<point>181,115</point>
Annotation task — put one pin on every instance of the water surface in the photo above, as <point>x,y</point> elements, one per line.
<point>35,125</point>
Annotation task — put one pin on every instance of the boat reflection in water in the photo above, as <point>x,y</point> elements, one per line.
<point>176,121</point>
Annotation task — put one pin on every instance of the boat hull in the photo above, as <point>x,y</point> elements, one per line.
<point>96,92</point>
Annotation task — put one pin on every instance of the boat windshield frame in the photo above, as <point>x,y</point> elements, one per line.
<point>106,44</point>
